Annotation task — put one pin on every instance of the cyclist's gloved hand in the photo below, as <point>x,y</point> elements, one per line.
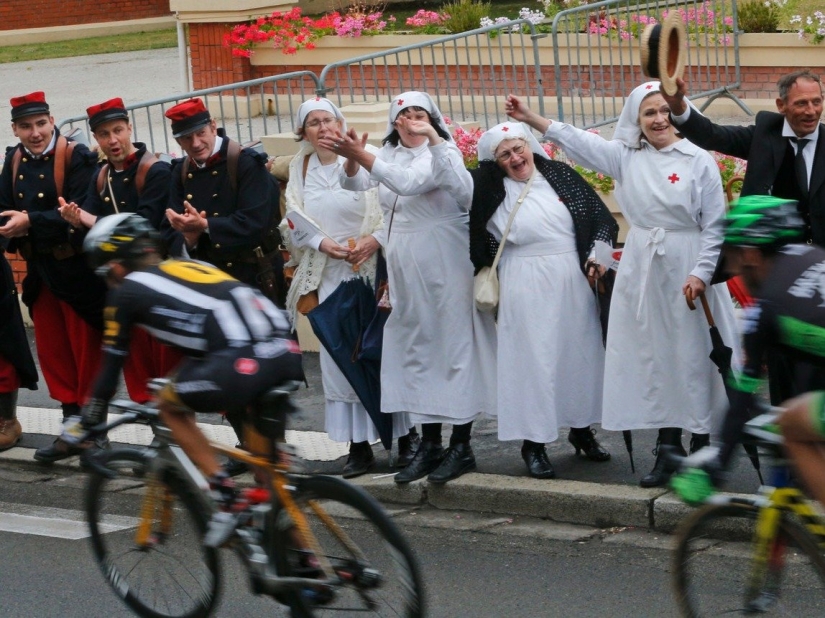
<point>699,476</point>
<point>73,431</point>
<point>95,412</point>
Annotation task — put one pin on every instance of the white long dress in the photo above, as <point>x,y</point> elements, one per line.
<point>438,360</point>
<point>340,214</point>
<point>550,352</point>
<point>657,370</point>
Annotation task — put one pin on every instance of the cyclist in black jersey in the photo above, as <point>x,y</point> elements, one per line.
<point>237,342</point>
<point>787,281</point>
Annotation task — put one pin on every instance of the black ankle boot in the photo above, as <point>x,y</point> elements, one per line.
<point>407,446</point>
<point>584,439</point>
<point>535,457</point>
<point>662,470</point>
<point>360,460</point>
<point>426,459</point>
<point>699,441</point>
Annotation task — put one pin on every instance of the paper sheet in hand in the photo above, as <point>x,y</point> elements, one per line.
<point>302,229</point>
<point>607,256</point>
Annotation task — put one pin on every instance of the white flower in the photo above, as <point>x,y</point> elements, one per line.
<point>796,19</point>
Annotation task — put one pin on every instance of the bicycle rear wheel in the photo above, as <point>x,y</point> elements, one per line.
<point>376,571</point>
<point>716,573</point>
<point>146,537</point>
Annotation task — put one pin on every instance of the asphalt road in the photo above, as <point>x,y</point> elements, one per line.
<point>555,570</point>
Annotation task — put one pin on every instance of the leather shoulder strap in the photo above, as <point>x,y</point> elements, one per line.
<point>146,162</point>
<point>15,164</point>
<point>62,162</point>
<point>101,178</point>
<point>233,153</point>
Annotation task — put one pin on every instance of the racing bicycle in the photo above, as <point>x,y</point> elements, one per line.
<point>314,543</point>
<point>759,555</point>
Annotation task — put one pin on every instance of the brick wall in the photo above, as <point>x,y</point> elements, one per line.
<point>21,14</point>
<point>212,63</point>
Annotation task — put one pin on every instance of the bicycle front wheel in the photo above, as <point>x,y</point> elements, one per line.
<point>146,532</point>
<point>375,571</point>
<point>717,572</point>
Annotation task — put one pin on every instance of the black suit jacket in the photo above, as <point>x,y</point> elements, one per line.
<point>763,146</point>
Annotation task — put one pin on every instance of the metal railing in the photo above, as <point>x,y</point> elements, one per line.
<point>595,64</point>
<point>597,60</point>
<point>474,71</point>
<point>246,110</point>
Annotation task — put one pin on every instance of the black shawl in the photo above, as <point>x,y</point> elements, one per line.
<point>592,220</point>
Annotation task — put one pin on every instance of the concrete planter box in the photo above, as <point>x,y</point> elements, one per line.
<point>762,50</point>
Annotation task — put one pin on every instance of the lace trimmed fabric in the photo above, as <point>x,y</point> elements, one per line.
<point>310,263</point>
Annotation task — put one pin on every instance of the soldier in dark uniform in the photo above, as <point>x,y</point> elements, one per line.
<point>63,294</point>
<point>131,179</point>
<point>224,207</point>
<point>16,363</point>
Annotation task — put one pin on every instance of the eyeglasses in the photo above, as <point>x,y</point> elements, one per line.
<point>314,124</point>
<point>515,150</point>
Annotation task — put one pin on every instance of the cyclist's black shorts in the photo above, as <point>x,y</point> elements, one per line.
<point>230,379</point>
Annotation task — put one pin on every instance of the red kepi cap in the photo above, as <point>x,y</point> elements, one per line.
<point>187,117</point>
<point>113,109</point>
<point>28,105</point>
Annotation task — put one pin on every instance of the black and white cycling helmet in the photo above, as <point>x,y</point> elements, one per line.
<point>124,236</point>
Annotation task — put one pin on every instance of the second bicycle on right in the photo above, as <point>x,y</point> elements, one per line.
<point>764,554</point>
<point>752,555</point>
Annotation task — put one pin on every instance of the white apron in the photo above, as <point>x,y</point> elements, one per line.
<point>550,353</point>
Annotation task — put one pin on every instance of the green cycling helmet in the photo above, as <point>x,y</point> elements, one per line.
<point>764,222</point>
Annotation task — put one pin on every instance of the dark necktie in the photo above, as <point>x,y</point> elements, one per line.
<point>799,165</point>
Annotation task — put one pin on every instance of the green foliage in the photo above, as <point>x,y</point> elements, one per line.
<point>759,16</point>
<point>157,39</point>
<point>465,14</point>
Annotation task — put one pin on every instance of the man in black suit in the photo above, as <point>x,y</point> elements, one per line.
<point>785,151</point>
<point>771,144</point>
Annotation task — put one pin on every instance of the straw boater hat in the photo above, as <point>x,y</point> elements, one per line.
<point>663,51</point>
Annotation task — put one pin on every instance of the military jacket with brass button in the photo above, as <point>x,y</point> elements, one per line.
<point>238,220</point>
<point>34,191</point>
<point>152,201</point>
<point>51,262</point>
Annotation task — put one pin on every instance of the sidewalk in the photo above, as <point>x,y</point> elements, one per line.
<point>585,493</point>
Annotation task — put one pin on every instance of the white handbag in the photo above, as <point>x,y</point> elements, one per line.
<point>485,283</point>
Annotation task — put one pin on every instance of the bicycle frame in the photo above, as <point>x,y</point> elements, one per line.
<point>165,454</point>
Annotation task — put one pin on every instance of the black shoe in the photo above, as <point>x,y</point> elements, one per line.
<point>538,464</point>
<point>583,439</point>
<point>426,459</point>
<point>662,469</point>
<point>56,451</point>
<point>235,467</point>
<point>360,460</point>
<point>407,446</point>
<point>458,459</point>
<point>699,441</point>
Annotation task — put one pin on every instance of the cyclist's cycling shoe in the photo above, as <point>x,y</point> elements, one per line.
<point>57,450</point>
<point>221,528</point>
<point>224,521</point>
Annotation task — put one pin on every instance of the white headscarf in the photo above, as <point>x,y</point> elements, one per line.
<point>319,103</point>
<point>413,98</point>
<point>628,130</point>
<point>492,137</point>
